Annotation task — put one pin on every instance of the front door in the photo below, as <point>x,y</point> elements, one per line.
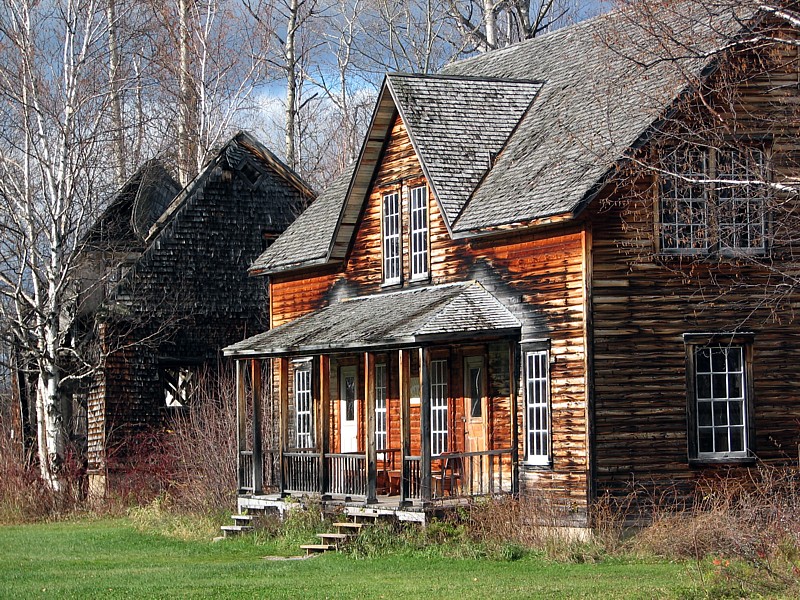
<point>348,410</point>
<point>476,420</point>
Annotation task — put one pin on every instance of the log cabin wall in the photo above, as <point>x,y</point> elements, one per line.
<point>644,300</point>
<point>538,275</point>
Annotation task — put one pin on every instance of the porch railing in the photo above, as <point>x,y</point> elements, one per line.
<point>347,474</point>
<point>270,471</point>
<point>414,464</point>
<point>465,474</point>
<point>246,471</point>
<point>453,475</point>
<point>301,471</point>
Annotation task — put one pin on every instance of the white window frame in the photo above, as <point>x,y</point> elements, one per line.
<point>303,403</point>
<point>741,206</point>
<point>381,424</point>
<point>721,401</point>
<point>391,234</point>
<point>705,212</point>
<point>439,407</point>
<point>418,212</point>
<point>683,204</point>
<point>538,439</point>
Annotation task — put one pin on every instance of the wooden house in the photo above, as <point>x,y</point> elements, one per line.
<point>496,299</point>
<point>165,287</point>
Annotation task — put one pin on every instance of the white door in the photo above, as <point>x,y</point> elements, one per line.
<point>348,410</point>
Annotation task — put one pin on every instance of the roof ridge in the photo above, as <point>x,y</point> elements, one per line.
<point>476,78</point>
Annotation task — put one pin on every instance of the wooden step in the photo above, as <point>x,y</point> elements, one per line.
<point>312,548</point>
<point>235,529</point>
<point>339,537</point>
<point>353,527</point>
<point>242,517</point>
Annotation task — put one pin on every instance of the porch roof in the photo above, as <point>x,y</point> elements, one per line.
<point>393,319</point>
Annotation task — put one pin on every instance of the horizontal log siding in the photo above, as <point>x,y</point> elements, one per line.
<point>642,303</point>
<point>538,275</point>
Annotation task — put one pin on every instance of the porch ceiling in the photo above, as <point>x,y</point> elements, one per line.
<point>387,320</point>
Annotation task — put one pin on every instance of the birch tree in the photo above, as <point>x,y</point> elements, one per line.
<point>210,57</point>
<point>54,105</point>
<point>490,24</point>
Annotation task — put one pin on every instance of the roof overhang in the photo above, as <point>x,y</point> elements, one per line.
<point>414,317</point>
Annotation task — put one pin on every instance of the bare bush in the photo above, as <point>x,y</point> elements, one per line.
<point>24,496</point>
<point>203,444</point>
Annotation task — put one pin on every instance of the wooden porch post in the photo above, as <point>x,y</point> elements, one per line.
<point>425,423</point>
<point>241,423</point>
<point>258,460</point>
<point>513,381</point>
<point>324,442</point>
<point>369,424</point>
<point>405,425</point>
<point>283,417</point>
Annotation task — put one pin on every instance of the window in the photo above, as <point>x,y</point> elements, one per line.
<point>719,401</point>
<point>380,407</point>
<point>438,382</point>
<point>474,375</point>
<point>179,386</point>
<point>303,405</point>
<point>419,232</point>
<point>709,200</point>
<point>391,238</point>
<point>537,405</point>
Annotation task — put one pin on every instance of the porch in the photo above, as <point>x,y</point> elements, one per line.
<point>403,422</point>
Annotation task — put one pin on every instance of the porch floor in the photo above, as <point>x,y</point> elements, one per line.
<point>386,506</point>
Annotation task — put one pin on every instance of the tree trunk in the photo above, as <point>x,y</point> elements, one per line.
<point>184,83</point>
<point>291,83</point>
<point>115,93</point>
<point>490,24</point>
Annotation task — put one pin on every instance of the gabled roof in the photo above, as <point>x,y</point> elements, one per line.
<point>306,242</point>
<point>607,82</point>
<point>241,148</point>
<point>457,126</point>
<point>138,203</point>
<point>603,87</point>
<point>387,320</point>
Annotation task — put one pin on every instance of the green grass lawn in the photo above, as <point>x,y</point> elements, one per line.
<point>111,559</point>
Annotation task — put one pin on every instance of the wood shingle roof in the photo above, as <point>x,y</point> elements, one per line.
<point>386,320</point>
<point>458,125</point>
<point>524,134</point>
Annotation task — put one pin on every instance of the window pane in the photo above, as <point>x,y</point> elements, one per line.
<point>721,439</point>
<point>704,414</point>
<point>703,386</point>
<point>736,413</point>
<point>706,440</point>
<point>735,389</point>
<point>737,439</point>
<point>419,231</point>
<point>703,359</point>
<point>719,386</point>
<point>720,413</point>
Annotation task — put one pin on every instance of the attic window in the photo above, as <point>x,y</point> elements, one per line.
<point>267,239</point>
<point>700,210</point>
<point>250,172</point>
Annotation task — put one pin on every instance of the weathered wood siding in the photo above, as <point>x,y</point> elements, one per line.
<point>187,296</point>
<point>540,277</point>
<point>643,302</point>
